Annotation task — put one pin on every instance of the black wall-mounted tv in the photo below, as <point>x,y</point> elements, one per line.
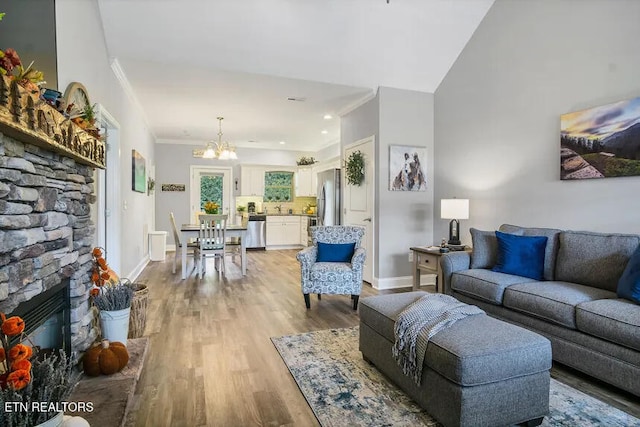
<point>29,27</point>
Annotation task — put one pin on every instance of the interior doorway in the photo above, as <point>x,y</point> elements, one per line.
<point>210,183</point>
<point>359,201</point>
<point>108,189</point>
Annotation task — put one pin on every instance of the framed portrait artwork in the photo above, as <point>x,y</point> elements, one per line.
<point>407,168</point>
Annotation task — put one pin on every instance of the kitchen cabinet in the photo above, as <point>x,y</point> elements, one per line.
<point>283,230</point>
<point>304,230</point>
<point>306,182</point>
<point>252,181</point>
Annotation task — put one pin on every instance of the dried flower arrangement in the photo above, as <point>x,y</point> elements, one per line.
<point>47,380</point>
<point>109,292</point>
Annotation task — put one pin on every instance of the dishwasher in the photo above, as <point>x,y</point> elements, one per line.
<point>256,232</point>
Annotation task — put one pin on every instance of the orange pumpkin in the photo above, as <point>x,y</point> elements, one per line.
<point>106,358</point>
<point>13,326</point>
<point>23,364</point>
<point>19,352</point>
<point>18,379</point>
<point>2,355</point>
<point>97,252</point>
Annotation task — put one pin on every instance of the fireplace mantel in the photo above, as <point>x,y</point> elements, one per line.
<point>34,121</point>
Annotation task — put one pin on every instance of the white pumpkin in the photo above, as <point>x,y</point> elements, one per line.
<point>70,421</point>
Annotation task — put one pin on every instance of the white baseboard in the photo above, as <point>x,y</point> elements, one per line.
<point>171,248</point>
<point>138,269</point>
<point>402,282</point>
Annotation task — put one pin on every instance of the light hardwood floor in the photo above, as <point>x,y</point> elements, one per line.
<point>211,362</point>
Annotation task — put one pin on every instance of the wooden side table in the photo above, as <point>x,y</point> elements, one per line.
<point>427,260</point>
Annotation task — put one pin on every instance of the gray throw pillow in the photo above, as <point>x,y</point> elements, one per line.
<point>485,247</point>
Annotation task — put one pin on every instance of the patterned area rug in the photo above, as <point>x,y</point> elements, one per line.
<point>344,390</point>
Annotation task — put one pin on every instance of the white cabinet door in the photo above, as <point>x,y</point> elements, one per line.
<point>306,182</point>
<point>252,181</point>
<point>291,232</point>
<point>283,230</point>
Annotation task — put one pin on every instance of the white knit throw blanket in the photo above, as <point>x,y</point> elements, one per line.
<point>420,321</point>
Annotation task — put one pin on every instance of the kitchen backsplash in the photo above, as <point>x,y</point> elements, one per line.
<point>297,205</point>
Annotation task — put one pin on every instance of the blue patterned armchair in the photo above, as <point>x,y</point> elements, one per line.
<point>332,277</point>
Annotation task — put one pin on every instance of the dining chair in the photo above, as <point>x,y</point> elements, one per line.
<point>212,241</point>
<point>192,248</point>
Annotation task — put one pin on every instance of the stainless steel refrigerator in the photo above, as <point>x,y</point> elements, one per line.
<point>329,197</point>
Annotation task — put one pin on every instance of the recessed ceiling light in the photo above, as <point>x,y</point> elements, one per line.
<point>282,142</point>
<point>324,132</point>
<point>328,117</point>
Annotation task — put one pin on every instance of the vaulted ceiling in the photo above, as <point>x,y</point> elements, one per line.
<point>189,61</point>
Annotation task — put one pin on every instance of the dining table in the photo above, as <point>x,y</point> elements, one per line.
<point>191,231</point>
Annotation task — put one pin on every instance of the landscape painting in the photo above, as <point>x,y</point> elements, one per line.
<point>138,172</point>
<point>601,142</point>
<point>407,168</point>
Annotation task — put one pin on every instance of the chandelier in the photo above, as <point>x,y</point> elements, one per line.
<point>219,150</point>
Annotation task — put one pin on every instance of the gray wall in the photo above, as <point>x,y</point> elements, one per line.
<point>404,217</point>
<point>401,219</point>
<point>497,114</point>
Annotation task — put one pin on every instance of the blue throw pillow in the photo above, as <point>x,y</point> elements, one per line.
<point>521,255</point>
<point>629,283</point>
<point>335,252</point>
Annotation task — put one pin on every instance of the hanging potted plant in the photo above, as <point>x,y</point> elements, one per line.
<point>354,168</point>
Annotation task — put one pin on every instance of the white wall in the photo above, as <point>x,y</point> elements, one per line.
<point>497,114</point>
<point>83,57</point>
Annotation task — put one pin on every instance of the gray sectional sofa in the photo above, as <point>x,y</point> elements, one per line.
<point>575,306</point>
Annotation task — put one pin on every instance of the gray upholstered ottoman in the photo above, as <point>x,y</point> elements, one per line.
<point>478,372</point>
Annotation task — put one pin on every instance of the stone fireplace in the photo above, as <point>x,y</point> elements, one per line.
<point>46,233</point>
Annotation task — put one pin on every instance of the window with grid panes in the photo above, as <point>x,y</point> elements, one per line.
<point>278,186</point>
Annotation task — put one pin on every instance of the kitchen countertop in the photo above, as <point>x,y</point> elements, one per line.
<point>289,214</point>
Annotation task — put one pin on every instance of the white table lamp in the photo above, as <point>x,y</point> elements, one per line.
<point>455,210</point>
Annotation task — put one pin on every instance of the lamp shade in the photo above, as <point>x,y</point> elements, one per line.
<point>454,209</point>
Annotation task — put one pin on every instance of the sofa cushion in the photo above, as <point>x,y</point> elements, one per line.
<point>615,320</point>
<point>629,283</point>
<point>484,284</point>
<point>552,301</point>
<point>594,259</point>
<point>336,272</point>
<point>520,255</point>
<point>485,248</point>
<point>551,250</point>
